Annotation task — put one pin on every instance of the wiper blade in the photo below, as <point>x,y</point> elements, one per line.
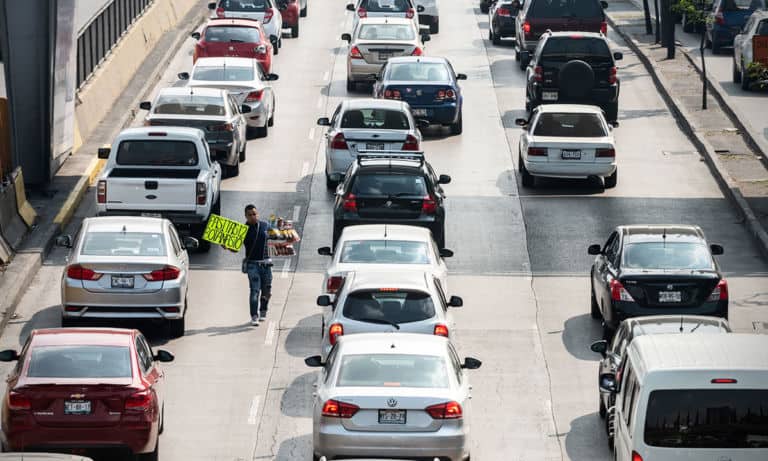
<point>379,321</point>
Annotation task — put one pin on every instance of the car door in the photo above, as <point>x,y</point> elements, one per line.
<point>238,121</point>
<point>441,271</point>
<point>269,93</point>
<point>601,273</point>
<point>150,371</point>
<point>464,388</point>
<point>182,257</point>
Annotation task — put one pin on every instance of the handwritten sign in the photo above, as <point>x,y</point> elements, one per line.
<point>225,232</point>
<point>760,49</point>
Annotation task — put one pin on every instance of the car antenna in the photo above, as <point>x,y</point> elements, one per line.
<point>124,230</point>
<point>664,236</point>
<point>385,236</point>
<point>681,324</point>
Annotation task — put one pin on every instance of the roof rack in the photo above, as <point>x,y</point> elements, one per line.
<point>365,154</point>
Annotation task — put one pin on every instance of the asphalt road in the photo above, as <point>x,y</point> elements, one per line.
<point>243,393</point>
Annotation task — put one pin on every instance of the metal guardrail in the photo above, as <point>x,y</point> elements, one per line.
<point>97,38</point>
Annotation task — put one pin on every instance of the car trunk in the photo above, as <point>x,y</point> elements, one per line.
<point>551,70</point>
<point>389,207</point>
<point>575,149</point>
<point>663,289</point>
<point>362,139</point>
<point>419,93</point>
<point>379,52</point>
<point>230,49</point>
<point>412,401</point>
<point>124,276</point>
<point>150,189</point>
<point>206,124</point>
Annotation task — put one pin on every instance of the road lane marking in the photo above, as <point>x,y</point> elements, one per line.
<point>296,213</point>
<point>319,102</point>
<point>270,334</point>
<point>286,268</point>
<point>304,169</point>
<point>312,133</point>
<point>326,75</point>
<point>254,410</point>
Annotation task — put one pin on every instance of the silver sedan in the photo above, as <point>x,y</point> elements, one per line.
<point>393,395</point>
<point>126,268</point>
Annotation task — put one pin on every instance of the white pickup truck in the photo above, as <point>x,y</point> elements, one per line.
<point>161,171</point>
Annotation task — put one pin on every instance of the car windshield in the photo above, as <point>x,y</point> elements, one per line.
<point>80,362</point>
<point>667,256</point>
<point>585,48</point>
<point>418,71</point>
<point>707,418</point>
<point>384,252</point>
<point>157,153</point>
<point>391,306</point>
<point>237,34</point>
<point>375,119</point>
<point>389,185</point>
<point>569,125</point>
<point>393,370</point>
<point>385,6</point>
<point>253,6</point>
<point>218,74</point>
<point>123,244</point>
<point>386,32</point>
<point>566,9</point>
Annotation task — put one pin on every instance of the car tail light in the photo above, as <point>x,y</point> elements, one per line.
<point>362,13</point>
<point>355,53</point>
<point>411,143</point>
<point>537,152</point>
<point>171,309</point>
<point>221,127</point>
<point>429,205</point>
<point>447,94</point>
<point>350,203</point>
<point>599,153</point>
<point>18,402</point>
<point>409,14</point>
<point>612,75</point>
<point>417,52</point>
<point>334,331</point>
<point>504,12</point>
<point>101,191</point>
<point>78,272</point>
<point>254,96</point>
<point>723,381</point>
<point>441,330</point>
<point>334,283</point>
<point>166,273</point>
<point>139,401</point>
<point>73,308</point>
<point>538,74</point>
<point>268,15</point>
<point>720,293</point>
<point>719,18</point>
<point>618,292</point>
<point>604,28</point>
<point>201,191</point>
<point>157,133</point>
<point>636,456</point>
<point>338,142</point>
<point>220,12</point>
<point>447,410</point>
<point>391,94</point>
<point>527,28</point>
<point>336,409</point>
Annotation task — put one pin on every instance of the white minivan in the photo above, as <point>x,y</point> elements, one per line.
<point>693,397</point>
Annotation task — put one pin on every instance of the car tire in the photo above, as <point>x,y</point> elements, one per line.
<point>458,127</point>
<point>610,181</point>
<point>607,332</point>
<point>521,63</point>
<point>295,30</point>
<point>241,155</point>
<point>602,411</point>
<point>440,237</point>
<point>484,8</point>
<point>746,84</point>
<point>527,178</point>
<point>303,11</point>
<point>177,327</point>
<point>736,73</point>
<point>434,28</point>
<point>351,85</point>
<point>271,120</point>
<point>262,131</point>
<point>612,111</point>
<point>496,39</point>
<point>161,428</point>
<point>594,310</point>
<point>153,455</point>
<point>329,183</point>
<point>490,33</point>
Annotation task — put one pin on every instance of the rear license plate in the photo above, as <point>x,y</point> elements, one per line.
<point>571,154</point>
<point>374,146</point>
<point>670,297</point>
<point>152,215</point>
<point>384,56</point>
<point>391,416</point>
<point>419,112</point>
<point>77,407</point>
<point>549,95</point>
<point>122,281</point>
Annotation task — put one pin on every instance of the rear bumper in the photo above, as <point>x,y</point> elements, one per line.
<point>166,303</point>
<point>621,310</point>
<point>338,160</point>
<point>598,96</point>
<point>358,70</point>
<point>724,35</point>
<point>137,439</point>
<point>443,114</point>
<point>176,217</point>
<point>575,169</point>
<point>258,116</point>
<point>504,26</point>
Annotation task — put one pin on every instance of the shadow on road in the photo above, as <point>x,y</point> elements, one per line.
<point>586,439</point>
<point>579,333</point>
<point>296,401</point>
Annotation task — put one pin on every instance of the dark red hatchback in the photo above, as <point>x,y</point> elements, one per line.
<point>244,38</point>
<point>81,388</point>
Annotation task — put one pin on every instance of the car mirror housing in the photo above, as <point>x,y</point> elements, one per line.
<point>323,121</point>
<point>521,122</point>
<point>604,4</point>
<point>145,105</point>
<point>350,7</point>
<point>271,77</point>
<point>183,75</point>
<point>324,301</point>
<point>191,243</point>
<point>314,361</point>
<point>594,249</point>
<point>716,249</point>
<point>212,6</point>
<point>599,347</point>
<point>419,9</point>
<point>195,35</point>
<point>346,37</point>
<point>618,56</point>
<point>444,179</point>
<point>608,383</point>
<point>461,76</point>
<point>164,356</point>
<point>425,38</point>
<point>8,355</point>
<point>446,253</point>
<point>471,363</point>
<point>324,251</point>
<point>103,152</point>
<point>64,241</point>
<point>456,301</point>
<point>422,124</point>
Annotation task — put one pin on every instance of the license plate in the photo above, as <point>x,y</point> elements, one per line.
<point>77,407</point>
<point>384,56</point>
<point>571,154</point>
<point>122,281</point>
<point>670,297</point>
<point>419,112</point>
<point>374,146</point>
<point>391,416</point>
<point>549,95</point>
<point>152,215</point>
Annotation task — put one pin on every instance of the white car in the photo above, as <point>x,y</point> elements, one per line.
<point>757,25</point>
<point>245,82</point>
<point>384,247</point>
<point>367,125</point>
<point>385,8</point>
<point>431,14</point>
<point>567,141</point>
<point>382,395</point>
<point>265,11</point>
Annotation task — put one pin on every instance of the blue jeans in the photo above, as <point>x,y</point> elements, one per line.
<point>260,281</point>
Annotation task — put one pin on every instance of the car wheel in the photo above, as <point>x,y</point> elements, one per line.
<point>496,39</point>
<point>607,332</point>
<point>612,111</point>
<point>610,181</point>
<point>517,53</point>
<point>303,12</point>
<point>527,178</point>
<point>242,153</point>
<point>746,85</point>
<point>161,429</point>
<point>351,86</point>
<point>522,64</point>
<point>262,131</point>
<point>177,327</point>
<point>736,73</point>
<point>271,120</point>
<point>434,28</point>
<point>594,310</point>
<point>295,30</point>
<point>152,456</point>
<point>490,34</point>
<point>602,411</point>
<point>458,127</point>
<point>329,183</point>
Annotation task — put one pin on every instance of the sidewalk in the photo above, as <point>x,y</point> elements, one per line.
<point>736,160</point>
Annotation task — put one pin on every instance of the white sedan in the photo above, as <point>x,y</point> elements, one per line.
<point>384,247</point>
<point>567,141</point>
<point>743,55</point>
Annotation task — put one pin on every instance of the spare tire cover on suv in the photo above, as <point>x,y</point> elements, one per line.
<point>576,79</point>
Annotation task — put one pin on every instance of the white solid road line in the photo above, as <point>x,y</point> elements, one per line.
<point>326,75</point>
<point>296,213</point>
<point>312,133</point>
<point>304,169</point>
<point>286,268</point>
<point>319,102</point>
<point>270,334</point>
<point>254,410</point>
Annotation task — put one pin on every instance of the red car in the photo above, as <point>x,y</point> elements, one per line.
<point>290,11</point>
<point>81,388</point>
<point>243,38</point>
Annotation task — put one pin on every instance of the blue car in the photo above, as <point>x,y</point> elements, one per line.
<point>726,20</point>
<point>429,85</point>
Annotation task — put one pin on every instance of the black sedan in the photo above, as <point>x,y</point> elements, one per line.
<point>501,19</point>
<point>656,269</point>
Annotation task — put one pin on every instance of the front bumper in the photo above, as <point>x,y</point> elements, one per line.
<point>358,70</point>
<point>166,303</point>
<point>724,35</point>
<point>621,310</point>
<point>563,169</point>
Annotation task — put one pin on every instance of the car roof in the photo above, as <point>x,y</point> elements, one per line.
<point>372,103</point>
<point>569,108</point>
<point>426,59</point>
<point>124,224</point>
<point>191,91</point>
<point>653,324</point>
<point>568,34</point>
<point>393,343</point>
<point>83,336</point>
<point>178,131</point>
<point>657,233</point>
<point>385,20</point>
<point>374,280</point>
<point>230,61</point>
<point>386,232</point>
<point>240,22</point>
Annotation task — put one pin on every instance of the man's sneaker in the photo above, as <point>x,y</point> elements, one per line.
<point>255,320</point>
<point>263,316</point>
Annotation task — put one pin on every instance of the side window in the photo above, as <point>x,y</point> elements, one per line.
<point>441,294</point>
<point>435,250</point>
<point>618,339</point>
<point>633,406</point>
<point>329,362</point>
<point>612,248</point>
<point>235,107</point>
<point>627,389</point>
<point>456,363</point>
<point>335,116</point>
<point>145,354</point>
<point>22,358</point>
<point>174,238</point>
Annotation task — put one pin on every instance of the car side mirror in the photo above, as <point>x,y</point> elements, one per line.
<point>245,108</point>
<point>521,122</point>
<point>604,4</point>
<point>324,301</point>
<point>9,355</point>
<point>195,35</point>
<point>346,37</point>
<point>64,241</point>
<point>607,383</point>
<point>314,361</point>
<point>525,58</point>
<point>600,347</point>
<point>618,56</point>
<point>183,75</point>
<point>716,249</point>
<point>212,6</point>
<point>339,188</point>
<point>455,301</point>
<point>425,38</point>
<point>461,76</point>
<point>191,243</point>
<point>145,105</point>
<point>471,363</point>
<point>595,249</point>
<point>422,124</point>
<point>164,356</point>
<point>444,179</point>
<point>324,251</point>
<point>271,77</point>
<point>419,9</point>
<point>446,253</point>
<point>273,39</point>
<point>323,121</point>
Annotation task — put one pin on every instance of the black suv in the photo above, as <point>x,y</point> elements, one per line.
<point>391,187</point>
<point>573,67</point>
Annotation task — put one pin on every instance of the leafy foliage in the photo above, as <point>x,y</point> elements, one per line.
<point>693,10</point>
<point>758,74</point>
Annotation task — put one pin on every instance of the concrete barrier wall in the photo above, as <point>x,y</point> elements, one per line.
<point>98,96</point>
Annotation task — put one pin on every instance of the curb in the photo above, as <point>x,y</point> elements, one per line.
<point>724,180</point>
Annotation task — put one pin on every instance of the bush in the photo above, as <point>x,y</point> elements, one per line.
<point>758,75</point>
<point>694,13</point>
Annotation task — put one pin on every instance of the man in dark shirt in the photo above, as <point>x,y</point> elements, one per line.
<point>258,264</point>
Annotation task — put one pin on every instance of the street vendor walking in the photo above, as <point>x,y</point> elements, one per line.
<point>257,264</point>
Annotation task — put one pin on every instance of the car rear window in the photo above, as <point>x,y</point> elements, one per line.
<point>587,48</point>
<point>218,74</point>
<point>375,119</point>
<point>392,306</point>
<point>192,104</point>
<point>157,153</point>
<point>707,418</point>
<point>389,184</point>
<point>80,362</point>
<point>393,370</point>
<point>415,71</point>
<point>123,244</point>
<point>566,9</point>
<point>736,5</point>
<point>570,125</point>
<point>688,326</point>
<point>385,6</point>
<point>667,256</point>
<point>386,32</point>
<point>232,34</point>
<point>384,252</point>
<point>245,6</point>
